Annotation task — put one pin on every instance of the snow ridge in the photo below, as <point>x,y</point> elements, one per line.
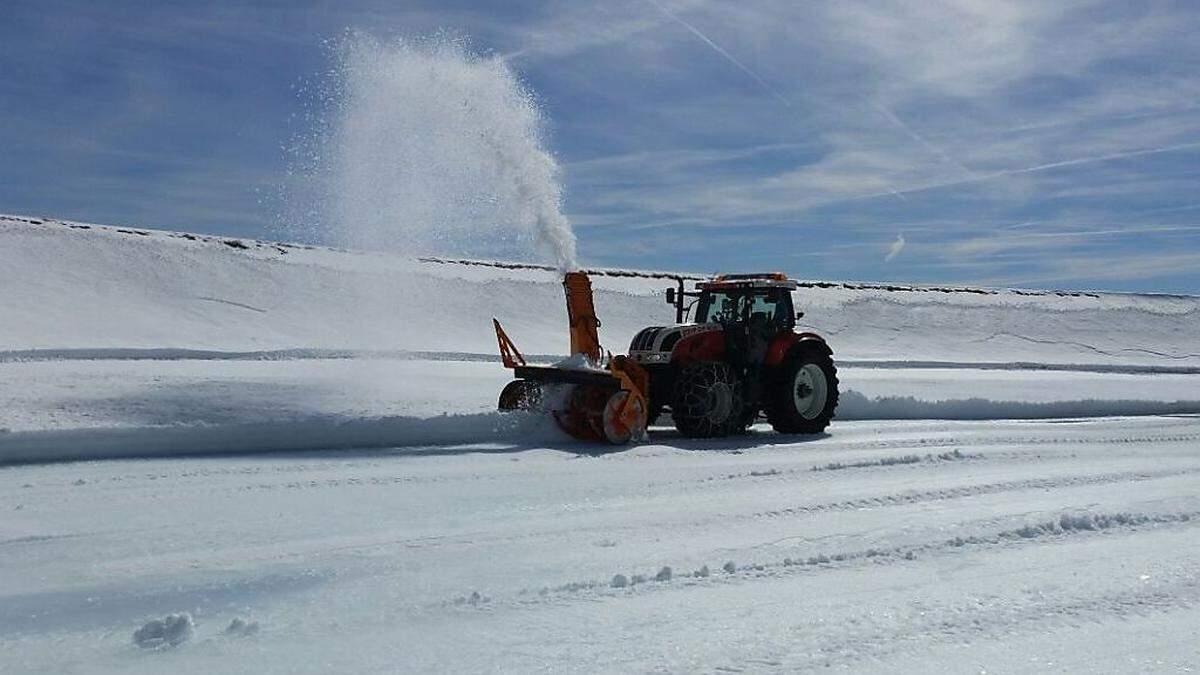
<point>1066,524</point>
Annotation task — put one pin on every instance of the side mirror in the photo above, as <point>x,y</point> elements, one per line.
<point>670,296</point>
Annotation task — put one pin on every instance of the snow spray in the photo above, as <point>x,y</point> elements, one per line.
<point>430,149</point>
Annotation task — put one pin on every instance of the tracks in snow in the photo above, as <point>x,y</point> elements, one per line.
<point>1034,533</point>
<point>966,491</point>
<point>580,529</point>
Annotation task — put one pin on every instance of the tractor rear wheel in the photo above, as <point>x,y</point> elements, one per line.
<point>707,401</point>
<point>805,393</point>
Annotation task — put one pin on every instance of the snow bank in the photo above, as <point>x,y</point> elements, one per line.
<point>291,431</point>
<point>318,433</point>
<point>855,406</point>
<point>71,286</point>
<point>80,286</point>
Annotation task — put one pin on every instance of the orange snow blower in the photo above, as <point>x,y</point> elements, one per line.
<point>592,396</point>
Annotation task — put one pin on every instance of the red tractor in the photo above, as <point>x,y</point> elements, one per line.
<point>739,356</point>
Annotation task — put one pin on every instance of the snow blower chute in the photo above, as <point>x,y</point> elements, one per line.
<point>592,396</point>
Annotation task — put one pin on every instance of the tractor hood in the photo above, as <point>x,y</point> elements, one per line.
<point>655,344</point>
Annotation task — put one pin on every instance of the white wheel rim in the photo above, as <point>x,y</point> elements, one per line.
<point>810,391</point>
<point>720,402</point>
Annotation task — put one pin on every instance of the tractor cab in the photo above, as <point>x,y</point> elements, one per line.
<point>735,299</point>
<point>744,299</point>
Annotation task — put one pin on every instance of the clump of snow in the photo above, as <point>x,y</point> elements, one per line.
<point>579,362</point>
<point>574,586</point>
<point>619,581</point>
<point>664,574</point>
<point>1069,523</point>
<point>476,598</point>
<point>1078,522</point>
<point>951,456</point>
<point>885,461</point>
<point>240,627</point>
<point>170,631</point>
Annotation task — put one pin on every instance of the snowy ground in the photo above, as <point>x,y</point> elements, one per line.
<point>1012,483</point>
<point>912,546</point>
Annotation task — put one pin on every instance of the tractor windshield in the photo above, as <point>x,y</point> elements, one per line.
<point>769,305</point>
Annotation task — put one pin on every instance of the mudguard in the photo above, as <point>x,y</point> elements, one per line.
<point>783,343</point>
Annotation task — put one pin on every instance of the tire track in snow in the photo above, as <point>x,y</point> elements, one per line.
<point>863,503</point>
<point>667,580</point>
<point>865,637</point>
<point>1017,440</point>
<point>966,491</point>
<point>607,530</point>
<point>602,532</point>
<point>901,455</point>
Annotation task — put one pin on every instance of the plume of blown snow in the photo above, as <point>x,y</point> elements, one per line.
<point>428,148</point>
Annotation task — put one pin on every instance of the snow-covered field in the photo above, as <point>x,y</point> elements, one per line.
<point>1012,483</point>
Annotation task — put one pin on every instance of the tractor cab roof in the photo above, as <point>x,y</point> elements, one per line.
<point>728,282</point>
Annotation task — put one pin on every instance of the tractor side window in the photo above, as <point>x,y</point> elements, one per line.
<point>774,307</point>
<point>764,305</point>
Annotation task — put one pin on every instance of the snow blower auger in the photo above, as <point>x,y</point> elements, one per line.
<point>599,398</point>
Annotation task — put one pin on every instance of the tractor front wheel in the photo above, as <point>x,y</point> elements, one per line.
<point>707,401</point>
<point>804,393</point>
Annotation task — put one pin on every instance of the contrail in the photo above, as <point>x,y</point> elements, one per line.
<point>724,54</point>
<point>936,151</point>
<point>1098,158</point>
<point>979,178</point>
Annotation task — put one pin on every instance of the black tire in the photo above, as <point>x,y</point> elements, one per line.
<point>796,404</point>
<point>707,401</point>
<point>746,420</point>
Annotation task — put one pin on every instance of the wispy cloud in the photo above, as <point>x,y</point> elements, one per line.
<point>758,131</point>
<point>895,249</point>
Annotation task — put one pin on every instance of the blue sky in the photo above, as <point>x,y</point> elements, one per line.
<point>1025,143</point>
